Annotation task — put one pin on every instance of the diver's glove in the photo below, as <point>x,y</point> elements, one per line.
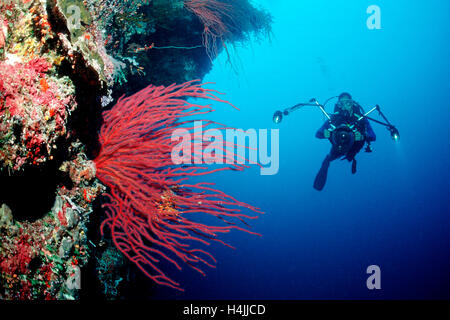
<point>327,133</point>
<point>358,136</point>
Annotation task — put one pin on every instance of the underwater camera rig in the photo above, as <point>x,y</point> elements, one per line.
<point>342,136</point>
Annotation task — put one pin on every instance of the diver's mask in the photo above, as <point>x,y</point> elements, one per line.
<point>345,107</point>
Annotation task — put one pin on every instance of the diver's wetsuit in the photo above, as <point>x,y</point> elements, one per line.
<point>338,119</point>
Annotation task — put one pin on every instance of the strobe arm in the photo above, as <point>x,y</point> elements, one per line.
<point>395,134</point>
<point>321,107</point>
<point>278,115</point>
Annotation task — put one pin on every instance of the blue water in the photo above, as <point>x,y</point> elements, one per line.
<point>394,212</point>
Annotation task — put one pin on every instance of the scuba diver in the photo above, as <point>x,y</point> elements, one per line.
<point>348,129</point>
<point>345,120</point>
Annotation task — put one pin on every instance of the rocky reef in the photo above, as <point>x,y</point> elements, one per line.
<point>63,62</point>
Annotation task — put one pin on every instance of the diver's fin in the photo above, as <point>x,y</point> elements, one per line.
<point>354,166</point>
<point>321,177</point>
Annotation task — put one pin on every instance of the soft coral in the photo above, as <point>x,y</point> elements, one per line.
<point>37,103</point>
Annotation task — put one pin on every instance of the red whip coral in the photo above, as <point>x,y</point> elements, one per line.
<point>228,21</point>
<point>212,13</point>
<point>150,201</point>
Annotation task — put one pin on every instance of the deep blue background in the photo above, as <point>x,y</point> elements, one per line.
<point>394,212</point>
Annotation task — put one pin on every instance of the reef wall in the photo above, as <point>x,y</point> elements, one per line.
<point>63,62</point>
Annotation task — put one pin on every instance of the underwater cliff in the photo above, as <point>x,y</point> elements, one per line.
<point>86,190</point>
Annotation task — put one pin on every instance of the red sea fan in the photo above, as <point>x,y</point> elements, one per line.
<point>151,202</point>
